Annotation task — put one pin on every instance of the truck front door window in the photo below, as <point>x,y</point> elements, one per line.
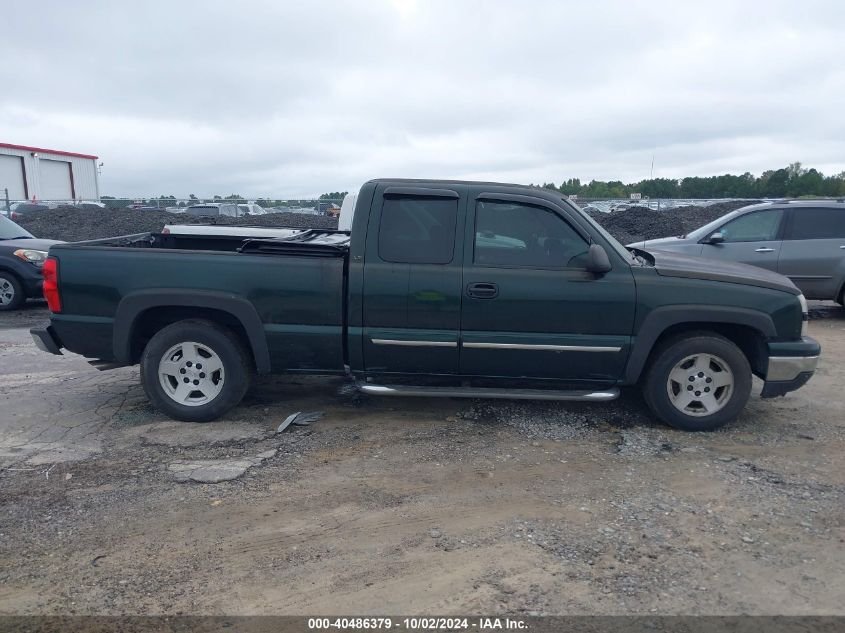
<point>417,230</point>
<point>513,234</point>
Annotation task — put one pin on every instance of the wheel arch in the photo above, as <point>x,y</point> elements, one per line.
<point>141,314</point>
<point>747,329</point>
<point>5,268</point>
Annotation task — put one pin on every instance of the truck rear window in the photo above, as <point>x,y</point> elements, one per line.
<point>418,230</point>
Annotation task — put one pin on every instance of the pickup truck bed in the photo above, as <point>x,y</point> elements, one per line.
<point>296,301</point>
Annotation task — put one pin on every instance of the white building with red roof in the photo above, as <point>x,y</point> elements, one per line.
<point>47,174</point>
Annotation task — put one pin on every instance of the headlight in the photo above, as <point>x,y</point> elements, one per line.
<point>805,314</point>
<point>33,257</point>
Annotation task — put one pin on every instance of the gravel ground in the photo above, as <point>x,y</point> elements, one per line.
<point>413,505</point>
<point>69,224</point>
<point>639,223</point>
<point>74,225</point>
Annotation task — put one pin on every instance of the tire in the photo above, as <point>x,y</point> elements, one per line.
<point>697,382</point>
<point>12,295</point>
<point>195,353</point>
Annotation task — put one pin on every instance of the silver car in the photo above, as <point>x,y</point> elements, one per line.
<point>804,240</point>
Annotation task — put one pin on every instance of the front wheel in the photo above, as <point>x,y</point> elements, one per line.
<point>698,383</point>
<point>195,370</point>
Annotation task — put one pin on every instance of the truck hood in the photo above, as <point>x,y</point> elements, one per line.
<point>674,265</point>
<point>28,242</point>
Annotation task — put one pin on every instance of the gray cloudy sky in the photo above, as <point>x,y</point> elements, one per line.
<point>296,98</point>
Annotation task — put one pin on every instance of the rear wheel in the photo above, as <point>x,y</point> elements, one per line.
<point>11,292</point>
<point>698,383</point>
<point>195,370</point>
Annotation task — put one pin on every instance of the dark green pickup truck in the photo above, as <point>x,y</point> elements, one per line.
<point>460,289</point>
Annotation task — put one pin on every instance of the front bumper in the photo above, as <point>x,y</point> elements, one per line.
<point>46,340</point>
<point>790,366</point>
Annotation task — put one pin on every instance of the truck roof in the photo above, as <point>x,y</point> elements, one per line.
<point>495,187</point>
<point>534,189</point>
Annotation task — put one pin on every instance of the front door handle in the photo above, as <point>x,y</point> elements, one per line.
<point>764,250</point>
<point>483,290</point>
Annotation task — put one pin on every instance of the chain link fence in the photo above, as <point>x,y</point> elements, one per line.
<point>233,205</point>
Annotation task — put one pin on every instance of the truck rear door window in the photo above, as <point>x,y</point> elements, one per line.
<point>817,224</point>
<point>418,230</point>
<point>513,234</point>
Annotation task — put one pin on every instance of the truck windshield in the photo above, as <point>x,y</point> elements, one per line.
<point>10,231</point>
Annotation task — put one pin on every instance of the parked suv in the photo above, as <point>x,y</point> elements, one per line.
<point>804,240</point>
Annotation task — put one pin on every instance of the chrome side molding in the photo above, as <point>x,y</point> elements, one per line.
<point>552,348</point>
<point>406,343</point>
<point>517,346</point>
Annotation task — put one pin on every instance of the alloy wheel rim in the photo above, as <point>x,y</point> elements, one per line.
<point>7,292</point>
<point>700,385</point>
<point>191,374</point>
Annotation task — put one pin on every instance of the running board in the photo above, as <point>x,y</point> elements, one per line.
<point>105,365</point>
<point>487,392</point>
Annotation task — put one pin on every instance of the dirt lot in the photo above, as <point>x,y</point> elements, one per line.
<point>413,506</point>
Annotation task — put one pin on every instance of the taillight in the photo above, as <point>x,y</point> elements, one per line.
<point>51,284</point>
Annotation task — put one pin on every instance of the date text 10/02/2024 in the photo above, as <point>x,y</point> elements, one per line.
<point>417,623</point>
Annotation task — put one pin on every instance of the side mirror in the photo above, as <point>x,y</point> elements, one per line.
<point>716,238</point>
<point>597,260</point>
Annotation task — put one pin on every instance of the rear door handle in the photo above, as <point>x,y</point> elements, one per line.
<point>764,250</point>
<point>483,290</point>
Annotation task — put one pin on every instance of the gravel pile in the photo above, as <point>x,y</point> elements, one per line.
<point>635,224</point>
<point>74,225</point>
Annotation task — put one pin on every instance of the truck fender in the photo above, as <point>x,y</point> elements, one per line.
<point>660,319</point>
<point>134,304</point>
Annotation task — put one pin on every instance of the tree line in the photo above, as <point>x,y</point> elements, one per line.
<point>793,181</point>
